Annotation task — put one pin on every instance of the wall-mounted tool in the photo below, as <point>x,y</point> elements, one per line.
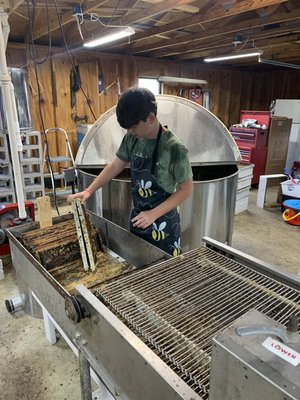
<point>75,84</point>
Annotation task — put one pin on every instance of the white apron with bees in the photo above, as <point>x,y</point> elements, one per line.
<point>147,194</point>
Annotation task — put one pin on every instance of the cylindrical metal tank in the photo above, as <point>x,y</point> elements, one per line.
<point>213,155</point>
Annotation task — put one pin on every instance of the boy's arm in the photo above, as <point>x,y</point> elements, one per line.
<point>114,168</point>
<point>106,175</point>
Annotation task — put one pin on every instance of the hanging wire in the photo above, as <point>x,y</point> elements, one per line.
<point>253,44</point>
<point>107,25</point>
<point>71,60</point>
<point>35,63</point>
<point>31,42</point>
<point>243,45</point>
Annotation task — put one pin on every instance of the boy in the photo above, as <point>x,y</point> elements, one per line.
<point>161,175</point>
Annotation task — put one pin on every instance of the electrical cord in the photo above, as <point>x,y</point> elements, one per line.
<point>35,63</point>
<point>31,43</point>
<point>95,17</point>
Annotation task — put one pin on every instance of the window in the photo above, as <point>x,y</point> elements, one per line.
<point>151,84</point>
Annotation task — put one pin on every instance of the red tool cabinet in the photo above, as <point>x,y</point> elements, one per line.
<point>252,142</point>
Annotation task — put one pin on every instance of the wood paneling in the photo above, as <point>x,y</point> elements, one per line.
<point>230,90</point>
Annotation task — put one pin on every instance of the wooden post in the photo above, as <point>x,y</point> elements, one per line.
<point>44,211</point>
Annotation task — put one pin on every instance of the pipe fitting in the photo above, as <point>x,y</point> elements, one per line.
<point>14,304</point>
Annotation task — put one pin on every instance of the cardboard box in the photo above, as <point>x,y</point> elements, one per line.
<point>278,141</point>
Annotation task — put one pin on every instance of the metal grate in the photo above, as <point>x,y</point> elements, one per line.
<point>177,306</point>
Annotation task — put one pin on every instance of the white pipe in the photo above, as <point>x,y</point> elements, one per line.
<point>11,113</point>
<point>15,118</point>
<point>4,26</point>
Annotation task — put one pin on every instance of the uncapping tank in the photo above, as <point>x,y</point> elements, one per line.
<point>213,155</point>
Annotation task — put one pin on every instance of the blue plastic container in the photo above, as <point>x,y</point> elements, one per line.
<point>293,204</point>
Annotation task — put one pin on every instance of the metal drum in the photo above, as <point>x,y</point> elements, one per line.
<point>214,157</point>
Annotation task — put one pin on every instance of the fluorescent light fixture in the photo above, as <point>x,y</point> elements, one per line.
<point>173,79</point>
<point>109,38</point>
<point>278,63</point>
<point>233,56</point>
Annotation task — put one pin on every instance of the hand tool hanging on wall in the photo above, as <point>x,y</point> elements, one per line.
<point>101,82</point>
<point>53,87</point>
<point>75,84</point>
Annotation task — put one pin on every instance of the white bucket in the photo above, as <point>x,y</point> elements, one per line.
<point>291,189</point>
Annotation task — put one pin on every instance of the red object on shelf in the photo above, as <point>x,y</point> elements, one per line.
<point>262,117</point>
<point>9,218</point>
<point>196,95</point>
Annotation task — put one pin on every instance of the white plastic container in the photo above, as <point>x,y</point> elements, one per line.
<point>291,189</point>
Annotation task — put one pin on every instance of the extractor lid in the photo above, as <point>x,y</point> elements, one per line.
<point>206,137</point>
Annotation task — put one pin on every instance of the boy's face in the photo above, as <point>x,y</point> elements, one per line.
<point>145,129</point>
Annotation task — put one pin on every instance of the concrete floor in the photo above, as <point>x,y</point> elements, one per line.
<point>263,234</point>
<point>32,369</point>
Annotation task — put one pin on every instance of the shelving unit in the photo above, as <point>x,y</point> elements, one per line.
<point>244,185</point>
<point>7,190</point>
<point>31,164</point>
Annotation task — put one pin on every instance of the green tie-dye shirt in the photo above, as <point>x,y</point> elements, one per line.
<point>172,164</point>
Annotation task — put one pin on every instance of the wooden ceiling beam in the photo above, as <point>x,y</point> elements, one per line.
<point>135,16</point>
<point>263,43</point>
<point>209,13</point>
<point>65,19</point>
<point>258,42</point>
<point>237,7</point>
<point>243,28</point>
<point>150,12</point>
<point>185,8</point>
<point>267,11</point>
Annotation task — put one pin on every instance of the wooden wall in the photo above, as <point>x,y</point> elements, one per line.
<point>230,90</point>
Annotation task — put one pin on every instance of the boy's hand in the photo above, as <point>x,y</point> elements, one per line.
<point>83,196</point>
<point>143,219</point>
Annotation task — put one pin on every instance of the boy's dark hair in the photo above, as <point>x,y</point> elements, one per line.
<point>134,106</point>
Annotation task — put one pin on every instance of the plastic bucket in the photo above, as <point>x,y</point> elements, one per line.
<point>291,214</point>
<point>291,188</point>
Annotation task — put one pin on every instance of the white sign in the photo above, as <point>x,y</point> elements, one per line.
<point>282,351</point>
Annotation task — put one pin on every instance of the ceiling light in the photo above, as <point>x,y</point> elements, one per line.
<point>233,56</point>
<point>173,79</point>
<point>110,38</point>
<point>278,63</point>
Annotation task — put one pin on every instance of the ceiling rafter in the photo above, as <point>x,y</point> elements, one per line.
<point>65,19</point>
<point>262,42</point>
<point>186,7</point>
<point>237,7</point>
<point>184,30</point>
<point>242,28</point>
<point>267,11</point>
<point>211,14</point>
<point>151,11</point>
